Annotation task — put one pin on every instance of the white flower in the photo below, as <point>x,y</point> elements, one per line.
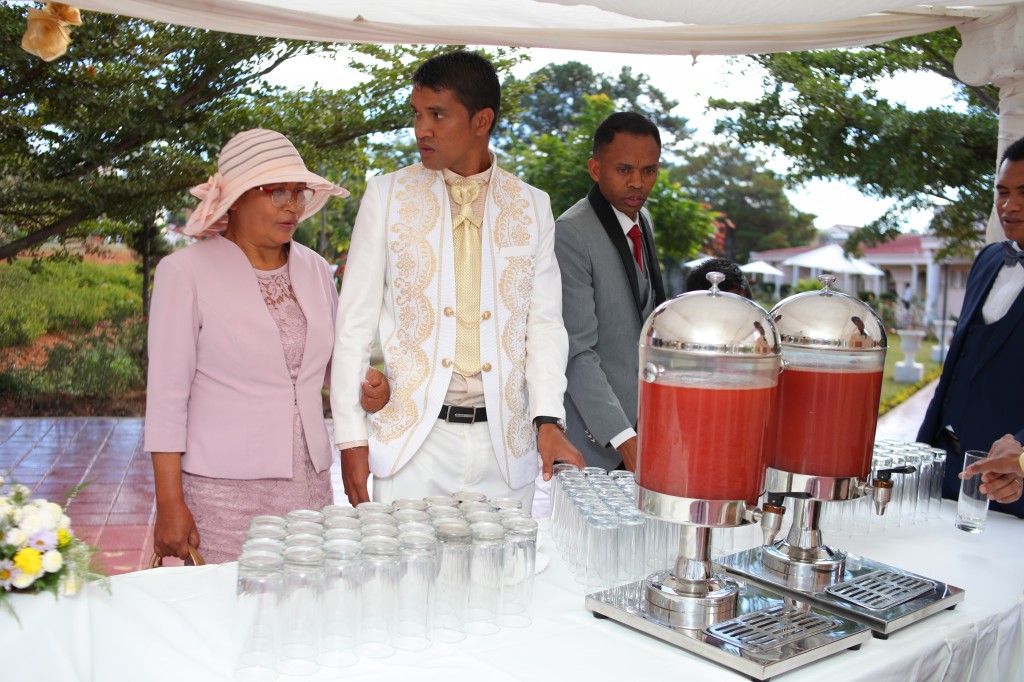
<point>16,537</point>
<point>21,579</point>
<point>5,507</point>
<point>49,514</point>
<point>64,522</point>
<point>7,571</point>
<point>19,489</point>
<point>30,523</point>
<point>52,561</point>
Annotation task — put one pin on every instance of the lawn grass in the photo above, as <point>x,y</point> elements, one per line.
<point>894,393</point>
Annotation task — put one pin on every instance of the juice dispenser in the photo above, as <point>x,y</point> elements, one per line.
<point>709,372</point>
<point>833,350</point>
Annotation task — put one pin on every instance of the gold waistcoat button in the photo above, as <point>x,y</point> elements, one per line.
<point>486,315</point>
<point>446,362</point>
<point>448,312</point>
<point>486,367</point>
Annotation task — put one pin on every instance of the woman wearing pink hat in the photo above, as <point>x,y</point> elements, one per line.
<point>240,337</point>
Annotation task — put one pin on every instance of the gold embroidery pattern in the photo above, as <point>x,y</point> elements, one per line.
<point>516,288</point>
<point>415,264</point>
<point>512,226</point>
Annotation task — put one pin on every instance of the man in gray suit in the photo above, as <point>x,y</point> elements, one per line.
<point>611,282</point>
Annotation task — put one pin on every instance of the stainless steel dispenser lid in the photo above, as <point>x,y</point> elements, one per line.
<point>712,322</point>
<point>828,319</point>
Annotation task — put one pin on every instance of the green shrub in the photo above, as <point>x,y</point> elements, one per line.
<point>43,296</point>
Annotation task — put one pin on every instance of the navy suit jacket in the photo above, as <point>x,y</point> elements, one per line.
<point>1003,354</point>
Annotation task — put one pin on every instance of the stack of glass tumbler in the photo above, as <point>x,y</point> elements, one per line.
<point>606,542</point>
<point>323,587</point>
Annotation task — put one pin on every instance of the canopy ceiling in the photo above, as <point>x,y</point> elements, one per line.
<point>634,26</point>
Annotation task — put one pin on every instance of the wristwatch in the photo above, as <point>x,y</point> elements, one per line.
<point>538,421</point>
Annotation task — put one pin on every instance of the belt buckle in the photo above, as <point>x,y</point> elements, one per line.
<point>461,415</point>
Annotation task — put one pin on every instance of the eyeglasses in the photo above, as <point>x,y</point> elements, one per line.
<point>280,196</point>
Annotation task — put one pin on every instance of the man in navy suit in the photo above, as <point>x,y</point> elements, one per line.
<point>979,401</point>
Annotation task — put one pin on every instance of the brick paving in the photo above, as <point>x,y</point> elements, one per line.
<point>116,510</point>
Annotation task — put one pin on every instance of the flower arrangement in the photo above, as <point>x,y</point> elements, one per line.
<point>38,550</point>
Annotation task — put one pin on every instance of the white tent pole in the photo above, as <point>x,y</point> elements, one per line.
<point>993,52</point>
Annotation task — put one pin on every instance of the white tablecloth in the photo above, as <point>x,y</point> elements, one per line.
<point>174,624</point>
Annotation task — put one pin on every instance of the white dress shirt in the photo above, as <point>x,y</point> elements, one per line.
<point>1005,290</point>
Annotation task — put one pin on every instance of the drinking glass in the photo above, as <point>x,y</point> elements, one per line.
<point>302,527</point>
<point>469,496</point>
<point>418,505</point>
<point>416,590</point>
<point>342,579</point>
<point>520,563</point>
<point>263,544</point>
<point>454,550</point>
<point>440,501</point>
<point>379,596</point>
<point>304,515</point>
<point>372,507</point>
<point>600,569</point>
<point>339,521</point>
<point>410,515</point>
<point>300,613</point>
<point>972,505</point>
<point>258,591</point>
<point>267,520</point>
<point>336,510</point>
<point>486,576</point>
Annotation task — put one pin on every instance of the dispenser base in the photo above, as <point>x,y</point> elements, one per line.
<point>745,642</point>
<point>882,597</point>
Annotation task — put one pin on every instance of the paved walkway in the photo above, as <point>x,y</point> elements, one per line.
<point>116,510</point>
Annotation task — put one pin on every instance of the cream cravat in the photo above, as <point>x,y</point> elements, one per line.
<point>467,278</point>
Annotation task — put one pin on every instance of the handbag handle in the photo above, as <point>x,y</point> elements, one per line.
<point>193,555</point>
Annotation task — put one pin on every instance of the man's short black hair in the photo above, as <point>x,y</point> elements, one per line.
<point>1014,153</point>
<point>469,76</point>
<point>623,122</point>
<point>734,282</point>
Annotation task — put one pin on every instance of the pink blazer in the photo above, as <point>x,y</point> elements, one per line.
<point>218,387</point>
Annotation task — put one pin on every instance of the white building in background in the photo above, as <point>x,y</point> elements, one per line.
<point>909,259</point>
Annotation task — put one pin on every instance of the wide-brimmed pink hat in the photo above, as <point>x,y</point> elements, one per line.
<point>250,159</point>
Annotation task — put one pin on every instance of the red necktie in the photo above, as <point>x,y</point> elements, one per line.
<point>638,247</point>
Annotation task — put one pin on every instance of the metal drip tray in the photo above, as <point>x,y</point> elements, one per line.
<point>880,590</point>
<point>770,628</point>
<point>883,597</point>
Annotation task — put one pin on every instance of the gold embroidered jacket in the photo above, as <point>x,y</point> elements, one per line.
<point>400,281</point>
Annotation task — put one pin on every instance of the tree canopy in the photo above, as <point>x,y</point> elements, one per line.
<point>558,94</point>
<point>751,197</point>
<point>136,113</point>
<point>822,109</point>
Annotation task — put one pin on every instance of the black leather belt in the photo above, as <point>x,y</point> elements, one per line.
<point>463,415</point>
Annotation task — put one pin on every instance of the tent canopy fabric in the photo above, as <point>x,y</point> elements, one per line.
<point>656,27</point>
<point>759,267</point>
<point>831,258</point>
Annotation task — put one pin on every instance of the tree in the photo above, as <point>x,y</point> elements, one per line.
<point>558,93</point>
<point>136,113</point>
<point>823,111</point>
<point>751,197</point>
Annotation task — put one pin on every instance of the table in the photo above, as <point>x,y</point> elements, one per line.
<point>174,624</point>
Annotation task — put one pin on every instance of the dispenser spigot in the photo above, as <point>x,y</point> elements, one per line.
<point>882,486</point>
<point>771,517</point>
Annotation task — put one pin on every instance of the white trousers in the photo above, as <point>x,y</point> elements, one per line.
<point>454,457</point>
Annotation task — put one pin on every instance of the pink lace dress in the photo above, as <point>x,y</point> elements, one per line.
<point>223,507</point>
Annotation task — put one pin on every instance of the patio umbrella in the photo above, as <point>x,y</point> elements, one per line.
<point>759,267</point>
<point>830,258</point>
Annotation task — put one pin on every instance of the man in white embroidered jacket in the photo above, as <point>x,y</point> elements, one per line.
<point>452,262</point>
